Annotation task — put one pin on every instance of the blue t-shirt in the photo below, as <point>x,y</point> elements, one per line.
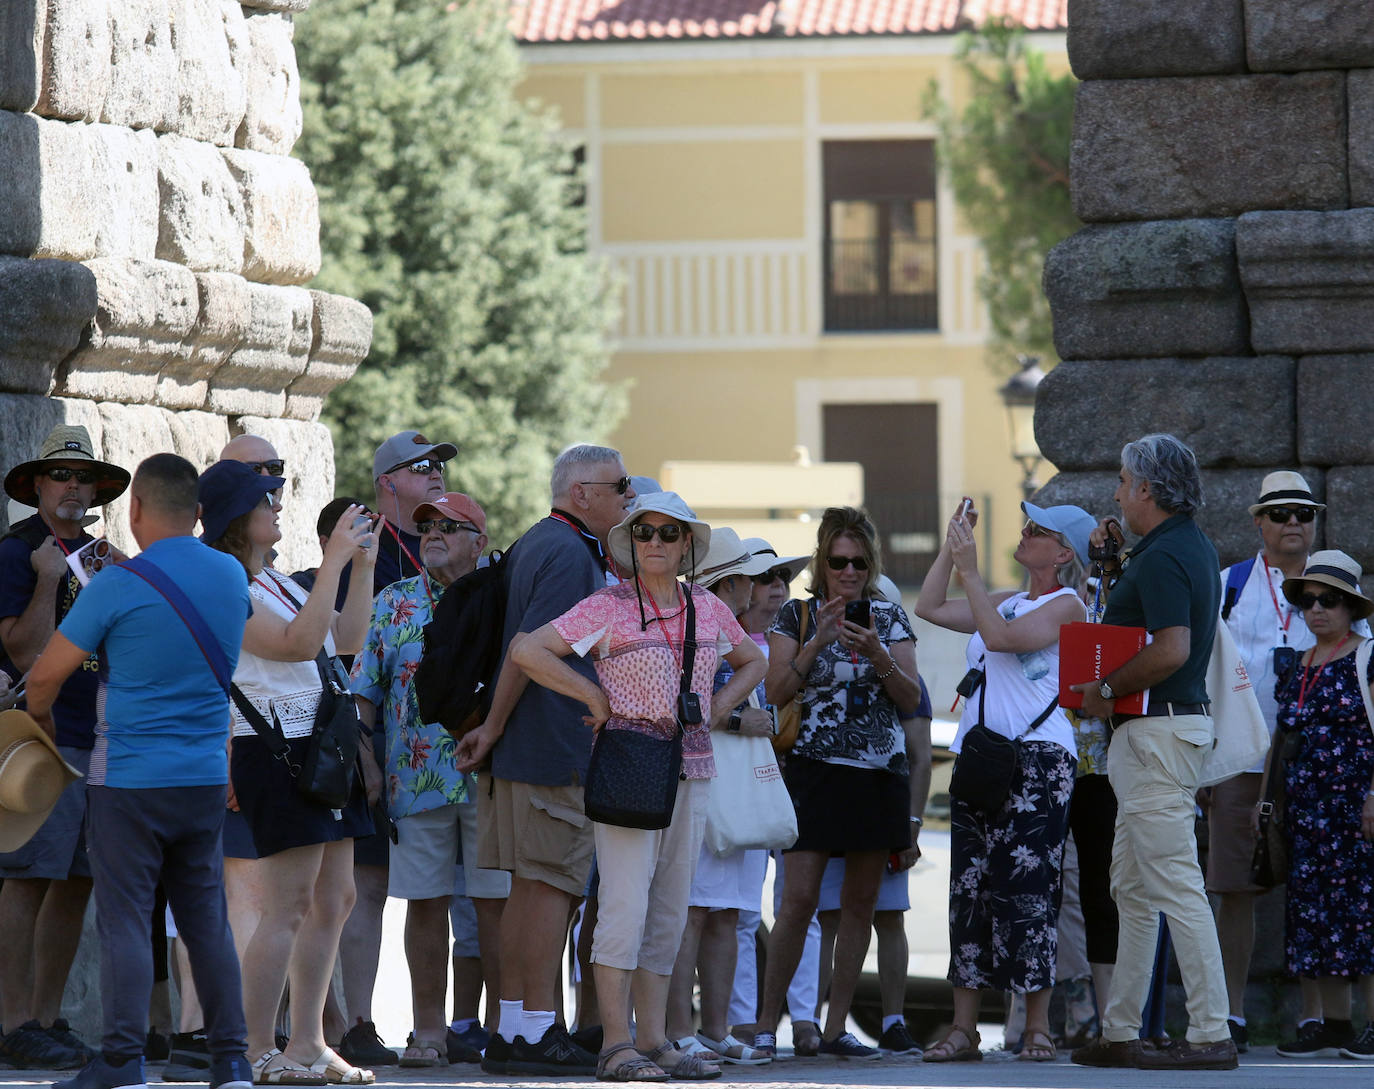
<point>162,717</point>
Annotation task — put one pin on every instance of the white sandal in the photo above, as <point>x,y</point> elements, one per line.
<point>734,1051</point>
<point>691,1045</point>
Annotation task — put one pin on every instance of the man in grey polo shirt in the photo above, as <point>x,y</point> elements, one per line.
<point>530,810</point>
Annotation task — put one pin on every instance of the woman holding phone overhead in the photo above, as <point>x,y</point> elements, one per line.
<point>851,658</point>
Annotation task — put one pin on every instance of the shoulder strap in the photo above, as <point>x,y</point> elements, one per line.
<point>689,644</point>
<point>1362,653</point>
<point>272,738</point>
<point>803,621</point>
<point>1236,578</point>
<point>983,687</point>
<point>155,577</point>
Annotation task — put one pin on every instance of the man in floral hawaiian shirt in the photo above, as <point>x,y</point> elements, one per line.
<point>426,794</point>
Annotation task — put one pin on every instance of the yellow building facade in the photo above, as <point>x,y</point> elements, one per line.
<point>784,283</point>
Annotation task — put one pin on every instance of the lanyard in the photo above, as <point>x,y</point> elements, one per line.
<point>280,595</point>
<point>1284,620</point>
<point>419,568</point>
<point>1307,670</point>
<point>682,624</point>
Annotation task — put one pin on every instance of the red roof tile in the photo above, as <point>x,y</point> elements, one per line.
<point>539,21</point>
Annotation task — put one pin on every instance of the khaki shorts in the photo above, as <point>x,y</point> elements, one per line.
<point>1230,842</point>
<point>538,833</point>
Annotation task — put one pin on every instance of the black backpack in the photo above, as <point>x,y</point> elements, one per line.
<point>463,649</point>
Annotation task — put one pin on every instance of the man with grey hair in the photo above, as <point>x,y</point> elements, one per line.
<point>1167,585</point>
<point>529,814</point>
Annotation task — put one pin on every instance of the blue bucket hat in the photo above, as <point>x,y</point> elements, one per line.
<point>229,489</point>
<point>1074,523</point>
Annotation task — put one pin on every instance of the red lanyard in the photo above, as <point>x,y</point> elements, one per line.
<point>1307,670</point>
<point>1285,619</point>
<point>284,598</point>
<point>419,568</point>
<point>682,624</point>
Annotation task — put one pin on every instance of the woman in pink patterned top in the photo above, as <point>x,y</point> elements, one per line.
<point>635,633</point>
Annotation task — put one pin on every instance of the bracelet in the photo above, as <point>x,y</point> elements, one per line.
<point>891,669</point>
<point>792,665</point>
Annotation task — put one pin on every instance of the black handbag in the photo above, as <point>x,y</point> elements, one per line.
<point>987,761</point>
<point>1269,863</point>
<point>632,777</point>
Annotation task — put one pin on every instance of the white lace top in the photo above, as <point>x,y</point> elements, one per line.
<point>288,690</point>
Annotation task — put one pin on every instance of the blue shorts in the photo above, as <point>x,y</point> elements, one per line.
<point>58,849</point>
<point>893,894</point>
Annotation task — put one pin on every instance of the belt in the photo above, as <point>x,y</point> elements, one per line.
<point>1162,710</point>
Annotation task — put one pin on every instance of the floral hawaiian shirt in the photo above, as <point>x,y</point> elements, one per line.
<point>421,757</point>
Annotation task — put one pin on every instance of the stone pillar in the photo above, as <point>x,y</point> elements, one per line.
<point>155,236</point>
<point>1223,288</point>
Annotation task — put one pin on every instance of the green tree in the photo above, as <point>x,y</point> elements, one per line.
<point>451,208</point>
<point>1006,156</point>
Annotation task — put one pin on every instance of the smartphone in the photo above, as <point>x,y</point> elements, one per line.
<point>363,521</point>
<point>858,612</point>
<point>965,508</point>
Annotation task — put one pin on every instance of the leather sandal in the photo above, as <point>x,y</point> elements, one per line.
<point>1037,1047</point>
<point>948,1051</point>
<point>337,1071</point>
<point>274,1068</point>
<point>637,1068</point>
<point>687,1068</point>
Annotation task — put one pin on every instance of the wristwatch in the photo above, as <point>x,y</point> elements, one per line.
<point>1105,690</point>
<point>732,723</point>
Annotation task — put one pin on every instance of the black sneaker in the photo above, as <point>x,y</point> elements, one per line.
<point>555,1053</point>
<point>847,1046</point>
<point>1318,1040</point>
<point>497,1055</point>
<point>62,1032</point>
<point>1240,1036</point>
<point>29,1047</point>
<point>592,1038</point>
<point>458,1050</point>
<point>156,1049</point>
<point>188,1059</point>
<point>1362,1047</point>
<point>361,1046</point>
<point>896,1040</point>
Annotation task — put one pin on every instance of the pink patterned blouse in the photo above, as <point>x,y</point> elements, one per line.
<point>639,671</point>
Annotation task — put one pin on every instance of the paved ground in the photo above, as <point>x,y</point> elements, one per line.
<point>1259,1070</point>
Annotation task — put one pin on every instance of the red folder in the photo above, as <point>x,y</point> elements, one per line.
<point>1088,652</point>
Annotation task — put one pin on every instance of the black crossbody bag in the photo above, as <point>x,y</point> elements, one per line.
<point>987,761</point>
<point>632,778</point>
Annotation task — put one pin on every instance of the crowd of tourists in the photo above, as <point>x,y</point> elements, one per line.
<point>233,761</point>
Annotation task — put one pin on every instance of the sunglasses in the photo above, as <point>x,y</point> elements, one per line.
<point>621,486</point>
<point>643,532</point>
<point>1327,600</point>
<point>425,466</point>
<point>62,474</point>
<point>1031,529</point>
<point>445,525</point>
<point>770,577</point>
<point>839,563</point>
<point>272,467</point>
<point>1280,515</point>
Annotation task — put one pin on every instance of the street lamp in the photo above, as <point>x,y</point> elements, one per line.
<point>1019,397</point>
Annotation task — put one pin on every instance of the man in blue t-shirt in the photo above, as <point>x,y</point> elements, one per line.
<point>156,789</point>
<point>48,881</point>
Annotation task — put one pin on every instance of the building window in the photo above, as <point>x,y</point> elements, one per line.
<point>880,256</point>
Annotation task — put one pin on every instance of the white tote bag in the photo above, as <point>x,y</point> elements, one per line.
<point>1240,732</point>
<point>748,806</point>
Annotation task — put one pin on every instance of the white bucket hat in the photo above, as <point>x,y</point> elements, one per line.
<point>728,555</point>
<point>32,778</point>
<point>671,504</point>
<point>1285,489</point>
<point>759,547</point>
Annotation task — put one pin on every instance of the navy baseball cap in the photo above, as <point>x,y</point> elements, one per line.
<point>229,489</point>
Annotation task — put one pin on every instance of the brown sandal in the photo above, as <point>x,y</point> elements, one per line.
<point>1037,1047</point>
<point>947,1051</point>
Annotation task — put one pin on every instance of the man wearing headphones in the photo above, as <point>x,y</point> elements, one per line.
<point>408,470</point>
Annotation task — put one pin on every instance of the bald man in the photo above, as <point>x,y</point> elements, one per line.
<point>255,452</point>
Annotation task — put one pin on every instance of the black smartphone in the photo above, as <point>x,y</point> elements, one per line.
<point>858,612</point>
<point>1285,658</point>
<point>857,699</point>
<point>689,708</point>
<point>969,685</point>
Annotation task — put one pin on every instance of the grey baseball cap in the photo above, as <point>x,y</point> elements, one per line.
<point>406,447</point>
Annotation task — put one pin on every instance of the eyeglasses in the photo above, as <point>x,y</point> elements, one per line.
<point>62,474</point>
<point>643,532</point>
<point>839,563</point>
<point>1327,600</point>
<point>1280,515</point>
<point>445,525</point>
<point>424,467</point>
<point>1031,529</point>
<point>770,577</point>
<point>621,486</point>
<point>271,467</point>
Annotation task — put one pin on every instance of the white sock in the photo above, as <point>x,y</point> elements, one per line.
<point>512,1021</point>
<point>536,1022</point>
<point>888,1022</point>
<point>463,1024</point>
<point>1238,1020</point>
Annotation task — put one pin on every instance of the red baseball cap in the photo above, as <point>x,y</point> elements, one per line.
<point>455,505</point>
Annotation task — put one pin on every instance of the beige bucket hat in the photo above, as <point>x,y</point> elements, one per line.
<point>32,778</point>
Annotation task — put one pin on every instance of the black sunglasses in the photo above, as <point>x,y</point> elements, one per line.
<point>272,467</point>
<point>839,563</point>
<point>446,525</point>
<point>425,466</point>
<point>1328,599</point>
<point>62,474</point>
<point>621,486</point>
<point>770,577</point>
<point>1280,515</point>
<point>643,532</point>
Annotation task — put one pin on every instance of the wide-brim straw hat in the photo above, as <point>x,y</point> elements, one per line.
<point>1285,488</point>
<point>1332,567</point>
<point>66,443</point>
<point>671,504</point>
<point>728,555</point>
<point>32,778</point>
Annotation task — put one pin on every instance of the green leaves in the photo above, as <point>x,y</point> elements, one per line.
<point>445,207</point>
